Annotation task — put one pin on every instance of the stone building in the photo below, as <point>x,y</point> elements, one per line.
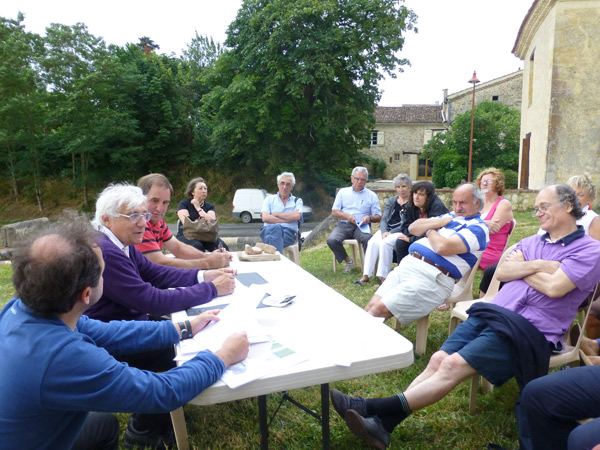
<point>400,135</point>
<point>559,42</point>
<point>506,90</point>
<point>401,132</point>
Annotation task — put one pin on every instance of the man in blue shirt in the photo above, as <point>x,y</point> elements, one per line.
<point>57,365</point>
<point>281,214</point>
<point>357,208</point>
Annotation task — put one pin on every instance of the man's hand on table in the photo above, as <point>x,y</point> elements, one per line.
<point>225,283</point>
<point>217,259</point>
<point>201,320</point>
<point>234,349</point>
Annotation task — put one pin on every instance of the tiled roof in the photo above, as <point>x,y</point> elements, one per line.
<point>408,114</point>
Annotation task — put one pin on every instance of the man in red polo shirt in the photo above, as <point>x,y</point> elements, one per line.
<point>157,235</point>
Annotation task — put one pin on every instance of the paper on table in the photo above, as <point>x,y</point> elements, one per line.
<point>268,360</point>
<point>237,316</point>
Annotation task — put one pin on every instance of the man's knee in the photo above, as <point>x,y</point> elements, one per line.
<point>436,360</point>
<point>454,366</point>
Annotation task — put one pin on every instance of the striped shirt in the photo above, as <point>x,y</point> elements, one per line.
<point>154,236</point>
<point>475,235</point>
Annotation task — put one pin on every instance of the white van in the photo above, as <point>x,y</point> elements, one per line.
<point>247,205</point>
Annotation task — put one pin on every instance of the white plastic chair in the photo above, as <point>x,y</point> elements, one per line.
<point>354,246</point>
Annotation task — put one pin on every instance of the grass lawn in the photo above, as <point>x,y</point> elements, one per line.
<point>446,425</point>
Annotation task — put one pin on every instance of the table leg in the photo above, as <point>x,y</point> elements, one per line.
<point>325,416</point>
<point>262,422</point>
<point>180,429</point>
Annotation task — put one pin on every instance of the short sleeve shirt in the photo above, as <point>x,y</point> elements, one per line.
<point>273,204</point>
<point>579,260</point>
<point>359,204</point>
<point>154,236</point>
<point>475,235</point>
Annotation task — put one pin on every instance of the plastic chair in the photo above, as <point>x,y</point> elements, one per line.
<point>460,293</point>
<point>459,312</point>
<point>354,246</point>
<point>570,354</point>
<point>464,284</point>
<point>293,251</point>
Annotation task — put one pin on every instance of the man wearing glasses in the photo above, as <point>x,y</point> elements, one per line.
<point>137,289</point>
<point>547,278</point>
<point>357,208</point>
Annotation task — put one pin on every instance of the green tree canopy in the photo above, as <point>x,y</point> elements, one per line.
<point>298,87</point>
<point>495,144</point>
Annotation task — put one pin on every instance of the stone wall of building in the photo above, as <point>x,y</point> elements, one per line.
<point>559,43</point>
<point>506,90</point>
<point>574,132</point>
<point>522,200</point>
<point>401,146</point>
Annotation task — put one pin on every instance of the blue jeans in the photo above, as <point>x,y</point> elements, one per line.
<point>278,236</point>
<point>553,404</point>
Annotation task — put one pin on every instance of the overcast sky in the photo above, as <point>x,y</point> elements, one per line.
<point>455,36</point>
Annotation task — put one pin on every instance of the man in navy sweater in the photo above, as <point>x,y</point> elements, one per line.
<point>56,364</point>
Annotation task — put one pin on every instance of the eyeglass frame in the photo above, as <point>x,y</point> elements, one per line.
<point>486,182</point>
<point>362,180</point>
<point>146,216</point>
<point>542,209</point>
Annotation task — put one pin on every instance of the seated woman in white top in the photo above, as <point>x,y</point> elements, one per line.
<point>381,245</point>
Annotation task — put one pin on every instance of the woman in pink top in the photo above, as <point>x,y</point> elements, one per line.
<point>497,214</point>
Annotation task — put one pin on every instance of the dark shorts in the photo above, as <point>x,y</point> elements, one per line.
<point>485,350</point>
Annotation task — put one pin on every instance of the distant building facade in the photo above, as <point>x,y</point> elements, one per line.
<point>559,42</point>
<point>506,90</point>
<point>401,131</point>
<point>399,135</point>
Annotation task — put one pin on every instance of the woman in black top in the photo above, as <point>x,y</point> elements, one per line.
<point>423,203</point>
<point>195,207</point>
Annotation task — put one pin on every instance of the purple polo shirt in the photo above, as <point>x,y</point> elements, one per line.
<point>579,257</point>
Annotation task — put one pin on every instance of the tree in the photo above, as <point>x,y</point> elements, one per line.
<point>298,87</point>
<point>495,144</point>
<point>22,95</point>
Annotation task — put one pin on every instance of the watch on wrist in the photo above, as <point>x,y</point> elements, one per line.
<point>186,330</point>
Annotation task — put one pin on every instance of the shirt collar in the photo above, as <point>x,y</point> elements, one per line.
<point>565,240</point>
<point>115,240</point>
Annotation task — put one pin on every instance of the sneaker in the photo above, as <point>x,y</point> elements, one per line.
<point>349,266</point>
<point>342,403</point>
<point>369,428</point>
<point>148,439</point>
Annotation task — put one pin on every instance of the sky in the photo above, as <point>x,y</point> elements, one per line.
<point>455,37</point>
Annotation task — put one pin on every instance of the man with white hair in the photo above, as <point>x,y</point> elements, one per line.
<point>281,214</point>
<point>137,289</point>
<point>357,208</point>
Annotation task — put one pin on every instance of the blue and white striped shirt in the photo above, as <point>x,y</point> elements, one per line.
<point>474,233</point>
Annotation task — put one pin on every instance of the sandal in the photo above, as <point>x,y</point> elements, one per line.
<point>361,282</point>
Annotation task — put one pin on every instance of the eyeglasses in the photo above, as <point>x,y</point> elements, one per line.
<point>135,217</point>
<point>542,209</point>
<point>486,182</point>
<point>362,180</point>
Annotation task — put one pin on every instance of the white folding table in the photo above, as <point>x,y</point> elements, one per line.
<point>321,324</point>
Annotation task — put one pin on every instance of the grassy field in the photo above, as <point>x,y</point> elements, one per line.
<point>446,425</point>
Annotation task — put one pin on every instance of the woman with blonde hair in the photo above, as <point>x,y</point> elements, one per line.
<point>497,213</point>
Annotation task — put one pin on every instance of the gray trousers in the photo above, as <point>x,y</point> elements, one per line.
<point>345,230</point>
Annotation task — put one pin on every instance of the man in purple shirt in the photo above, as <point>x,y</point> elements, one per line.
<point>547,278</point>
